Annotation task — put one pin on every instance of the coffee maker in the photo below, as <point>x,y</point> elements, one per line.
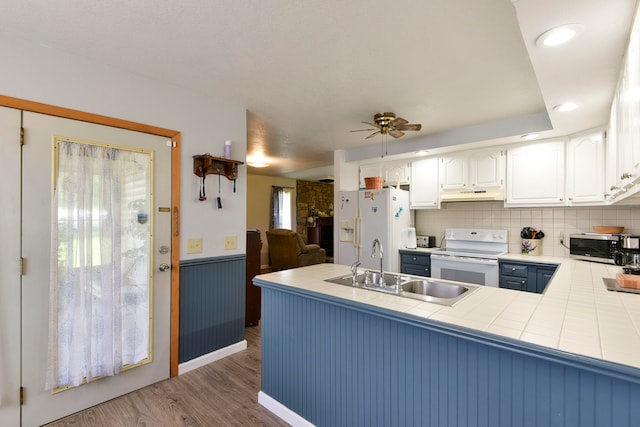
<point>628,254</point>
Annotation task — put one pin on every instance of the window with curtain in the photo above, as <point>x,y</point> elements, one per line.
<point>101,237</point>
<point>282,206</point>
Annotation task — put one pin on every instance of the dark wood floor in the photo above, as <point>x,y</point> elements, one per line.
<point>222,393</point>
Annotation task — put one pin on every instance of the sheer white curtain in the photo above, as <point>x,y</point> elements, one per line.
<point>100,277</point>
<point>281,207</point>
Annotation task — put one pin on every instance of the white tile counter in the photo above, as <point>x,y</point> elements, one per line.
<point>576,313</point>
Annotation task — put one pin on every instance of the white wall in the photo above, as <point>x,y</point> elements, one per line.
<point>33,72</point>
<point>552,221</point>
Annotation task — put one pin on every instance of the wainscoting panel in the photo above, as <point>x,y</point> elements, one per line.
<point>342,366</point>
<point>212,304</point>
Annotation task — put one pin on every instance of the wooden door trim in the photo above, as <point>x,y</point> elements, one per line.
<point>51,110</point>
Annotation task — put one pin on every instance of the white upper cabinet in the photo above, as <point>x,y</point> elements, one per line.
<point>535,175</point>
<point>585,169</point>
<point>369,171</point>
<point>472,171</point>
<point>486,169</point>
<point>396,173</point>
<point>392,172</point>
<point>424,190</point>
<point>454,173</point>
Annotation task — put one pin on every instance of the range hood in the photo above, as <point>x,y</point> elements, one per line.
<point>472,196</point>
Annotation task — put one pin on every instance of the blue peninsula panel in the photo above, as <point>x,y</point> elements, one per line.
<point>341,363</point>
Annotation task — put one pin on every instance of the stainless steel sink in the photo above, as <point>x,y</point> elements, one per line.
<point>431,290</point>
<point>434,289</point>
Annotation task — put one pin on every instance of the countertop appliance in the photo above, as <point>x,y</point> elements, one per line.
<point>426,241</point>
<point>409,239</point>
<point>378,214</point>
<point>628,253</point>
<point>594,247</point>
<point>470,255</point>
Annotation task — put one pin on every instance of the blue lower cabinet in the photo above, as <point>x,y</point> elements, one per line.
<point>528,277</point>
<point>414,263</point>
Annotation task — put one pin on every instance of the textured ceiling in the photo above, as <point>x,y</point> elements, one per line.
<point>309,71</point>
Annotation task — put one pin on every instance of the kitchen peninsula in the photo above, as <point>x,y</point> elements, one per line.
<point>337,355</point>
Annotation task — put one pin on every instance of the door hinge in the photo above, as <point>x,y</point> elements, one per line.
<point>21,136</point>
<point>23,266</point>
<point>21,396</point>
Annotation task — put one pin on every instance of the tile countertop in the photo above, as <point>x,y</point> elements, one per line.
<point>576,313</point>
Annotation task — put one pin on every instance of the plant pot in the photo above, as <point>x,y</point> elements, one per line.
<point>531,246</point>
<point>373,183</point>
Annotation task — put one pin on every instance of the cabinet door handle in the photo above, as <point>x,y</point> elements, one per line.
<point>414,258</point>
<point>523,282</point>
<point>513,269</point>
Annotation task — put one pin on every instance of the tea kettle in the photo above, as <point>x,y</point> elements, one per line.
<point>409,238</point>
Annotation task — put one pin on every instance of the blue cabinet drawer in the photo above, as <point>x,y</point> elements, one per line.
<point>516,270</point>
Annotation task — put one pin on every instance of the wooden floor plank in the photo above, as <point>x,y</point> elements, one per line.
<point>222,393</point>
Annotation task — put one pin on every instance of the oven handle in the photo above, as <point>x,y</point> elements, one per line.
<point>454,258</point>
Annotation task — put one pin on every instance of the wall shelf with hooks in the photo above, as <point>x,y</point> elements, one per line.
<point>205,165</point>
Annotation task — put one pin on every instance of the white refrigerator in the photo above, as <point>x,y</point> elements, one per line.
<point>379,214</point>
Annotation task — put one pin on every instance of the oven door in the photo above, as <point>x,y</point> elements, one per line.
<point>480,271</point>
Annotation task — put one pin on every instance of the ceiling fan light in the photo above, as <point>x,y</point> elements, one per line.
<point>559,35</point>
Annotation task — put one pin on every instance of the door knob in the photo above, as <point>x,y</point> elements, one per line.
<point>164,267</point>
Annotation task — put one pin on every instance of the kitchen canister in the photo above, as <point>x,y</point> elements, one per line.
<point>531,246</point>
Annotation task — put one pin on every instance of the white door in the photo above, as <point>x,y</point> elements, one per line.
<point>9,267</point>
<point>41,406</point>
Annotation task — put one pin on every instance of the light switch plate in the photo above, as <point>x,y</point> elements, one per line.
<point>230,242</point>
<point>194,245</point>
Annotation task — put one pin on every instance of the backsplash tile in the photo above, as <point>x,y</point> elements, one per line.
<point>553,221</point>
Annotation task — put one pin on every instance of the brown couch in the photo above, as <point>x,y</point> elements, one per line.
<point>288,250</point>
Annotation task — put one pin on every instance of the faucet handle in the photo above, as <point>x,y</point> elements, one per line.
<point>398,283</point>
<point>367,277</point>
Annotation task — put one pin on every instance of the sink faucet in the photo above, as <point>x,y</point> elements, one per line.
<point>373,254</point>
<point>354,272</point>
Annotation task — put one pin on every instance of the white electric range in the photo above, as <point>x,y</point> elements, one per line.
<point>470,255</point>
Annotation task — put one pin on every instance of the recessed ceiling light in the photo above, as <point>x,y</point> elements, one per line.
<point>530,136</point>
<point>567,106</point>
<point>559,35</point>
<point>422,152</point>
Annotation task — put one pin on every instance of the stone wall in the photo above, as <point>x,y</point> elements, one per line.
<point>316,196</point>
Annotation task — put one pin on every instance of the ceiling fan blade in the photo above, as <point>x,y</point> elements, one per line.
<point>395,133</point>
<point>373,134</point>
<point>416,126</point>
<point>362,130</point>
<point>372,124</point>
<point>398,122</point>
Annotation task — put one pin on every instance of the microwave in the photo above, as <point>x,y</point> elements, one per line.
<point>594,247</point>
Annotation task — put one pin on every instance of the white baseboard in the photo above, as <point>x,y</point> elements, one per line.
<point>282,411</point>
<point>205,359</point>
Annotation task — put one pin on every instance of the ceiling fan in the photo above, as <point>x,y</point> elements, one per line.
<point>388,123</point>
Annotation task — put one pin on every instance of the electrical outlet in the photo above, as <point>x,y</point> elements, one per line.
<point>194,246</point>
<point>230,242</point>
